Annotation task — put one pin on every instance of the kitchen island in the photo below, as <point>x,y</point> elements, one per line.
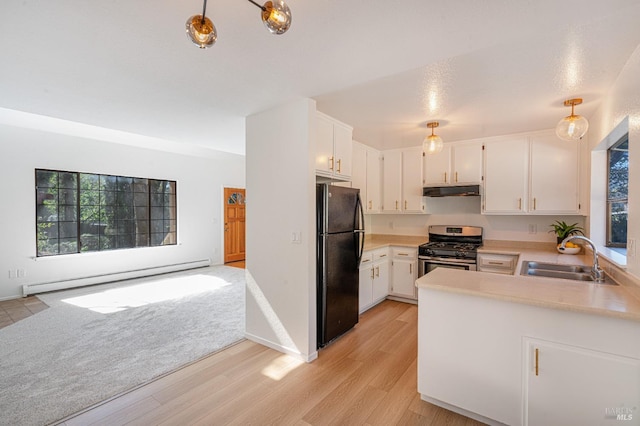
<point>522,350</point>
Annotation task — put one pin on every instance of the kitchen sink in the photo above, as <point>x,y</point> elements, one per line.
<point>556,270</point>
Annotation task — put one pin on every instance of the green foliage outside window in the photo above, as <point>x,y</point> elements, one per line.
<point>81,212</point>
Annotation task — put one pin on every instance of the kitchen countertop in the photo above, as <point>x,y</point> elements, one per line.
<point>601,299</point>
<point>375,241</point>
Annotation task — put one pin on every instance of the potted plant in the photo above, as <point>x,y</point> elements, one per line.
<point>563,230</point>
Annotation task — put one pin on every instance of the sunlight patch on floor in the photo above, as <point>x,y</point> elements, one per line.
<point>281,366</point>
<point>122,298</point>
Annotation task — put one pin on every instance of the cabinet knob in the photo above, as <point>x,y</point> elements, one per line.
<point>445,177</point>
<point>330,163</point>
<point>339,164</point>
<point>405,205</point>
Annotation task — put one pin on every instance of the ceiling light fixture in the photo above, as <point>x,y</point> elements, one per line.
<point>432,144</point>
<point>276,16</point>
<point>572,127</point>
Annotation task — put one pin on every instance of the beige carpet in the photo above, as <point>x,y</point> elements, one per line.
<point>96,342</point>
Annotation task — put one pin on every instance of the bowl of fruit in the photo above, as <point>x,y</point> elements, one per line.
<point>569,248</point>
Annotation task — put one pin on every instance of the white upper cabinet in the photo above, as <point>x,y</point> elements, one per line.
<point>457,164</point>
<point>536,174</point>
<point>333,148</point>
<point>506,169</point>
<point>366,176</point>
<point>402,181</point>
<point>412,200</point>
<point>437,167</point>
<point>466,163</point>
<point>392,178</point>
<point>554,175</point>
<point>373,202</point>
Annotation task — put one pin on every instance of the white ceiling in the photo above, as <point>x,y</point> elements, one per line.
<point>480,67</point>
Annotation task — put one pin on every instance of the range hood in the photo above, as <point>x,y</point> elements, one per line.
<point>451,191</point>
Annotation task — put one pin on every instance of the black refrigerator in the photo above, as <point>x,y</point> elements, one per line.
<point>340,241</point>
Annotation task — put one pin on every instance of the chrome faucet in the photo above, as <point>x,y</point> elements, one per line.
<point>596,271</point>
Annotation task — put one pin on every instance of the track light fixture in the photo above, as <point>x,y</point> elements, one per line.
<point>276,16</point>
<point>433,143</point>
<point>572,127</point>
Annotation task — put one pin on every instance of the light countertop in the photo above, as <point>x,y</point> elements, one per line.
<point>375,241</point>
<point>601,299</point>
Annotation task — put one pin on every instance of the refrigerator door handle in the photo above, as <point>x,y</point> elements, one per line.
<point>360,231</point>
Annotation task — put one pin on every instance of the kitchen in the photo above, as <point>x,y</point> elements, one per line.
<point>295,147</point>
<point>391,260</point>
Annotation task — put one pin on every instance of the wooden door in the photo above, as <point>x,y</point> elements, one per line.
<point>234,224</point>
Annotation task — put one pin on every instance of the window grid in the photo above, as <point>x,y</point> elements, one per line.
<point>80,212</point>
<point>617,193</point>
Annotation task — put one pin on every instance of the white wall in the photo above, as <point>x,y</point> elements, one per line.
<point>199,188</point>
<point>622,101</point>
<point>281,285</point>
<point>466,211</point>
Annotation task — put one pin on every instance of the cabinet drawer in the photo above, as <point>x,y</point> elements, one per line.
<point>367,259</point>
<point>497,263</point>
<point>381,254</point>
<point>405,253</point>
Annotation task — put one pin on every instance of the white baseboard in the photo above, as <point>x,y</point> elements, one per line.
<point>461,411</point>
<point>280,348</point>
<point>28,289</point>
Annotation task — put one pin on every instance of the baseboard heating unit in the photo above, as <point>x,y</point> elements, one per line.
<point>28,289</point>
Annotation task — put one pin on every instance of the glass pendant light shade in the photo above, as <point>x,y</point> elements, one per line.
<point>201,31</point>
<point>433,143</point>
<point>572,127</point>
<point>276,16</point>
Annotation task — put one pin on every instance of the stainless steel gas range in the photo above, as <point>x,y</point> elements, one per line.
<point>450,247</point>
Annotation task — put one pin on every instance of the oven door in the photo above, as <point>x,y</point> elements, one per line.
<point>428,264</point>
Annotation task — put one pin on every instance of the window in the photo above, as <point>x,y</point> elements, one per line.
<point>81,212</point>
<point>617,193</point>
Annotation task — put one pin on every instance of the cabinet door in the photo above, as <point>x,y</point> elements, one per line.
<point>467,163</point>
<point>380,281</point>
<point>343,147</point>
<point>374,196</point>
<point>365,296</point>
<point>577,386</point>
<point>437,166</point>
<point>554,176</point>
<point>392,176</point>
<point>359,169</point>
<point>403,278</point>
<point>324,145</point>
<point>412,180</point>
<point>506,170</point>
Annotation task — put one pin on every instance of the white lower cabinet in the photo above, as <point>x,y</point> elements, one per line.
<point>476,356</point>
<point>374,278</point>
<point>404,272</point>
<point>568,385</point>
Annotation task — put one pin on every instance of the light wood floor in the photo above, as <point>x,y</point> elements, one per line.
<point>12,311</point>
<point>367,377</point>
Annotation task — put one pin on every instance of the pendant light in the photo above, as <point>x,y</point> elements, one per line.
<point>572,127</point>
<point>201,30</point>
<point>432,144</point>
<point>276,16</point>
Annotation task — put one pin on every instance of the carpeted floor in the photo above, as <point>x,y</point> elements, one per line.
<point>96,342</point>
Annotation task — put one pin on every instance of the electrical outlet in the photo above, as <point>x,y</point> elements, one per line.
<point>533,228</point>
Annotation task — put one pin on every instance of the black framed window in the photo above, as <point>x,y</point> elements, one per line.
<point>81,212</point>
<point>617,193</point>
